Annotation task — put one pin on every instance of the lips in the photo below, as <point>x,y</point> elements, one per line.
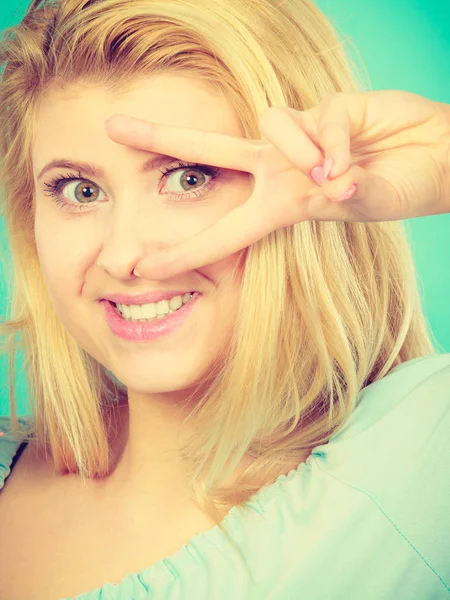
<point>146,331</point>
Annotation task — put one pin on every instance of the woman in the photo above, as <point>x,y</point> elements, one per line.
<point>266,417</point>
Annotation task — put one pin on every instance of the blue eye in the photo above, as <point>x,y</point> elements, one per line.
<point>86,195</point>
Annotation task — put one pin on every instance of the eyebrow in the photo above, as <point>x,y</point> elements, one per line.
<point>94,171</point>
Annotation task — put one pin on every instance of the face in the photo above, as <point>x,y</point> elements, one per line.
<point>89,247</point>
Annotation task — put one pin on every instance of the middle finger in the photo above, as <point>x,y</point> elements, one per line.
<point>291,138</point>
<point>194,145</point>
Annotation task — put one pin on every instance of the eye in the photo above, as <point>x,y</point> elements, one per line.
<point>84,190</point>
<point>86,195</point>
<point>189,178</point>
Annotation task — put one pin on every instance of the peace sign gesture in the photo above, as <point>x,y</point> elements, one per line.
<point>394,145</point>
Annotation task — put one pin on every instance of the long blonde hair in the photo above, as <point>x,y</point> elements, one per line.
<point>327,308</point>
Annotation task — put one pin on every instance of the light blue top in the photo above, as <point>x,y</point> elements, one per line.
<point>366,517</point>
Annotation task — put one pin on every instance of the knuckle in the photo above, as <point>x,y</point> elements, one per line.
<point>270,113</point>
<point>333,133</point>
<point>257,151</point>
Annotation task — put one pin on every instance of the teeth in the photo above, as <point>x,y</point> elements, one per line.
<point>176,302</point>
<point>153,310</point>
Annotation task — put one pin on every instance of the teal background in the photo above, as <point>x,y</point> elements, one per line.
<point>404,45</point>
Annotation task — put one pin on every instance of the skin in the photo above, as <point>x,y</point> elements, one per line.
<point>86,255</point>
<point>389,148</point>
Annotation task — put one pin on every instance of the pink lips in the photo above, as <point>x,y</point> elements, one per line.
<point>150,330</point>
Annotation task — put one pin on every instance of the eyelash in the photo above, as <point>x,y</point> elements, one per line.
<point>56,185</point>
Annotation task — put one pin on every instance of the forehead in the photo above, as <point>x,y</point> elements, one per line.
<point>74,117</point>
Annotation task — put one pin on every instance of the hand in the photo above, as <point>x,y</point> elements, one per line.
<point>394,145</point>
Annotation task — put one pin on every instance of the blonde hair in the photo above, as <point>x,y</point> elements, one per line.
<point>327,308</point>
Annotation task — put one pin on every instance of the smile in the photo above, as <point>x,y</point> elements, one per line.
<point>140,313</point>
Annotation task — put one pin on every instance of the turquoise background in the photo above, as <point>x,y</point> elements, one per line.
<point>404,45</point>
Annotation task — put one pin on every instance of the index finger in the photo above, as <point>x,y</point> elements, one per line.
<point>185,143</point>
<point>238,229</point>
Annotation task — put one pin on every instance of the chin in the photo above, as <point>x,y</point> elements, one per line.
<point>159,381</point>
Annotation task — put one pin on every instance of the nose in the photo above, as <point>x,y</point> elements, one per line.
<point>127,237</point>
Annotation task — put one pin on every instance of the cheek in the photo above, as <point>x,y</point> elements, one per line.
<point>226,292</point>
<point>60,260</point>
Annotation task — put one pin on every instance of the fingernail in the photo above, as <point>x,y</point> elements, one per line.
<point>346,195</point>
<point>328,165</point>
<point>136,272</point>
<point>317,175</point>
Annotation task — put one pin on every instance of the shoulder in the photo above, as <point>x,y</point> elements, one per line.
<point>398,435</point>
<point>415,390</point>
<point>7,433</point>
<point>10,442</point>
<point>415,376</point>
<point>394,454</point>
